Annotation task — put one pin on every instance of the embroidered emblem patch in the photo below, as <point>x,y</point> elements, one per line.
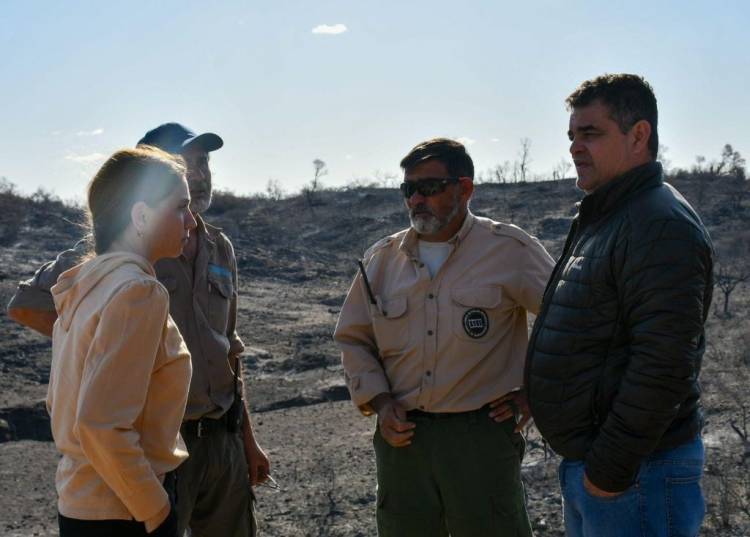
<point>476,323</point>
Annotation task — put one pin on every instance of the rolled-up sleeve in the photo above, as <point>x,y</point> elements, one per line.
<point>34,293</point>
<point>114,389</point>
<point>355,338</point>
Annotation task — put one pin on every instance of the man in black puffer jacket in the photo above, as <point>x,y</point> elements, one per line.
<point>613,360</point>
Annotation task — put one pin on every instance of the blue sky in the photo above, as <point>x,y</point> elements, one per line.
<point>81,79</point>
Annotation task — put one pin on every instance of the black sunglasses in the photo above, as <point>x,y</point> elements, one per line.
<point>428,186</point>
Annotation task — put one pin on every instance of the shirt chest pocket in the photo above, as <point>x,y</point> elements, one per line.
<point>475,312</point>
<point>390,322</point>
<point>169,282</point>
<point>220,292</point>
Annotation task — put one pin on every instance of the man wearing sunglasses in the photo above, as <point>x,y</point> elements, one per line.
<point>433,337</point>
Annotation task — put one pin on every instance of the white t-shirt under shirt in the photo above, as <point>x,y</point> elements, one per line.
<point>434,254</point>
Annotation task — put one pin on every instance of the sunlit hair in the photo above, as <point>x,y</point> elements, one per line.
<point>145,174</point>
<point>450,153</point>
<point>629,99</point>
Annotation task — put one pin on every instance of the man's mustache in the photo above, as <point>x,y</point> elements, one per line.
<point>421,208</point>
<point>199,185</point>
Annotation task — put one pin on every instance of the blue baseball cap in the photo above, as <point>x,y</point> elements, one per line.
<point>174,138</point>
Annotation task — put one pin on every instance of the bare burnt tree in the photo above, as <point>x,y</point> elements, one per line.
<point>728,276</point>
<point>733,496</point>
<point>386,179</point>
<point>561,169</point>
<point>274,190</point>
<point>725,500</point>
<point>661,156</point>
<point>741,430</point>
<point>311,190</point>
<point>500,173</point>
<point>732,162</point>
<point>320,170</point>
<point>524,155</point>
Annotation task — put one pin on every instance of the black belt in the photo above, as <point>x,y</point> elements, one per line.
<point>416,413</point>
<point>204,426</point>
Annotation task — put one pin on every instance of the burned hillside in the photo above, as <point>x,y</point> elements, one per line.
<point>296,257</point>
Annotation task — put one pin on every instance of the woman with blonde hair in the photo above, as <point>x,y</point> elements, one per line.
<point>120,369</point>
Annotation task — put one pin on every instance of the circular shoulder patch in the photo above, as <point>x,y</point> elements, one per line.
<point>476,323</point>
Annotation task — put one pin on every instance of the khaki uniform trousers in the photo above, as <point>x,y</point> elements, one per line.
<point>214,497</point>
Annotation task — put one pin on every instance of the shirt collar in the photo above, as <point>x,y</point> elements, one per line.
<point>607,198</point>
<point>206,231</point>
<point>411,238</point>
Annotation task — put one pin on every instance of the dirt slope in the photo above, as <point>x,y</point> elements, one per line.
<point>296,263</point>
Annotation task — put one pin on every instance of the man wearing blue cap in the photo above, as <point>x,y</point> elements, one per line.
<point>214,494</point>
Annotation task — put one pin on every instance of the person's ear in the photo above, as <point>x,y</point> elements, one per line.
<point>641,134</point>
<point>139,215</point>
<point>467,187</point>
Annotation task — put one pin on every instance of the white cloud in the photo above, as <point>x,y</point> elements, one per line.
<point>466,140</point>
<point>349,157</point>
<point>328,29</point>
<point>86,159</point>
<point>95,132</point>
<point>494,140</point>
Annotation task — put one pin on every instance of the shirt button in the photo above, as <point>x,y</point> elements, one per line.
<point>429,332</point>
<point>428,373</point>
<point>421,265</point>
<point>430,296</point>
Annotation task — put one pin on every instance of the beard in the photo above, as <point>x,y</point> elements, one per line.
<point>425,222</point>
<point>201,203</point>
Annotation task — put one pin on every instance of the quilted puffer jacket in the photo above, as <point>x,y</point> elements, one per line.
<point>613,359</point>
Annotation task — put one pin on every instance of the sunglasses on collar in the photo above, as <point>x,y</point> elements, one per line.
<point>428,186</point>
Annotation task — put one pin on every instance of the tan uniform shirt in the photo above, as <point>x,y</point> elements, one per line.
<point>451,343</point>
<point>202,302</point>
<point>117,391</point>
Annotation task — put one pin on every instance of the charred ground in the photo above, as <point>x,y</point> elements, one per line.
<point>296,258</point>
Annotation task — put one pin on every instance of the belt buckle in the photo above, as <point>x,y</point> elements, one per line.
<point>200,429</point>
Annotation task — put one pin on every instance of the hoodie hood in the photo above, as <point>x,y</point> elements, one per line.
<point>75,284</point>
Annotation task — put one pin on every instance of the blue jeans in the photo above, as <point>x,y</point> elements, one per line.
<point>666,499</point>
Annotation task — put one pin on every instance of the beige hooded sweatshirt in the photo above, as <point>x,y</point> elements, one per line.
<point>117,390</point>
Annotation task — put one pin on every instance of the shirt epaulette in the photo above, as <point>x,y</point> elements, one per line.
<point>211,229</point>
<point>509,230</point>
<point>382,243</point>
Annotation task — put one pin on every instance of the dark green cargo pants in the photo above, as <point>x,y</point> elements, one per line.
<point>461,476</point>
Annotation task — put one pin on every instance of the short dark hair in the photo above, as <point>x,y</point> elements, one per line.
<point>451,153</point>
<point>145,174</point>
<point>629,99</point>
